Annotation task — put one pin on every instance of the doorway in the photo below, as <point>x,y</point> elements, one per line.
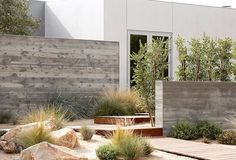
<point>134,39</point>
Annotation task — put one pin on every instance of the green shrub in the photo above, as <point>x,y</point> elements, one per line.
<point>34,136</point>
<point>107,152</point>
<point>51,112</point>
<point>86,133</point>
<point>208,129</point>
<point>6,117</point>
<point>117,103</point>
<point>227,137</point>
<point>183,130</point>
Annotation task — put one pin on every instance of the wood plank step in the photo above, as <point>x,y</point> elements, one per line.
<point>122,120</point>
<point>145,132</point>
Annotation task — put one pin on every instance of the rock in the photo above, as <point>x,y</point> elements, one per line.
<point>47,151</point>
<point>12,133</point>
<point>10,147</point>
<point>65,137</point>
<point>8,140</point>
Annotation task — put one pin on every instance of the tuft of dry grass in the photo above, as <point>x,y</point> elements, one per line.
<point>51,112</point>
<point>129,145</point>
<point>131,148</point>
<point>127,97</point>
<point>34,136</point>
<point>86,133</point>
<point>119,134</point>
<point>232,121</point>
<point>118,102</point>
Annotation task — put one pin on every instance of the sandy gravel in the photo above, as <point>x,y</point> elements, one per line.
<point>87,148</point>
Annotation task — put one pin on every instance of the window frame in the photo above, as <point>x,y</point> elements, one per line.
<point>149,35</point>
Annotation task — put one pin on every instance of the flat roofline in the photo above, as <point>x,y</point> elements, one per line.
<point>179,3</point>
<point>199,5</point>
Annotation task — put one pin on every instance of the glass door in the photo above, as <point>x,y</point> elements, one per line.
<point>134,40</point>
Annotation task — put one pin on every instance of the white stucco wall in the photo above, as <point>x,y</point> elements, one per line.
<point>149,15</point>
<point>155,16</point>
<point>193,21</point>
<point>81,19</point>
<point>115,29</point>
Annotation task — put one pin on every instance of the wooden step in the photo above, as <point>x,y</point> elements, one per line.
<point>121,120</point>
<point>145,132</point>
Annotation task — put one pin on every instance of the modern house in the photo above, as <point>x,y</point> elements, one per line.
<point>129,21</point>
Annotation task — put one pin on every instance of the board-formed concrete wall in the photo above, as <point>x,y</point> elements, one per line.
<point>215,101</point>
<point>33,68</point>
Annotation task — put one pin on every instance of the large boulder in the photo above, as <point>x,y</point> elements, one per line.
<point>12,133</point>
<point>10,147</point>
<point>8,140</point>
<point>65,137</point>
<point>47,151</point>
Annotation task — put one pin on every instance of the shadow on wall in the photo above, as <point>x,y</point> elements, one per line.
<point>53,25</point>
<point>37,10</point>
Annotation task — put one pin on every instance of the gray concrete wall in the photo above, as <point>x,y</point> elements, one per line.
<point>34,68</point>
<point>37,10</point>
<point>214,101</point>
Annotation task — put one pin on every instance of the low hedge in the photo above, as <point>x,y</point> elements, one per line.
<point>187,130</point>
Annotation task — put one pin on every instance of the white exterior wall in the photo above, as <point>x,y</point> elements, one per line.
<point>112,20</point>
<point>115,29</point>
<point>155,16</point>
<point>83,19</point>
<point>149,15</point>
<point>193,21</point>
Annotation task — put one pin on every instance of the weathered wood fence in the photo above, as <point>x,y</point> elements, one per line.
<point>34,68</point>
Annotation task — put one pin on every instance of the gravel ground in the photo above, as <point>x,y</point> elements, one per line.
<point>87,148</point>
<point>156,155</point>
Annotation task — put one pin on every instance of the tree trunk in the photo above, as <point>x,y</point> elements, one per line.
<point>197,70</point>
<point>210,73</point>
<point>184,66</point>
<point>150,113</point>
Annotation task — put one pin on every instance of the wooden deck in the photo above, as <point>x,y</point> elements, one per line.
<point>195,149</point>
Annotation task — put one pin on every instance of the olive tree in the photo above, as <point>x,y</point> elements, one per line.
<point>206,59</point>
<point>224,55</point>
<point>209,50</point>
<point>196,60</point>
<point>182,70</point>
<point>15,18</point>
<point>151,63</point>
<point>234,61</point>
